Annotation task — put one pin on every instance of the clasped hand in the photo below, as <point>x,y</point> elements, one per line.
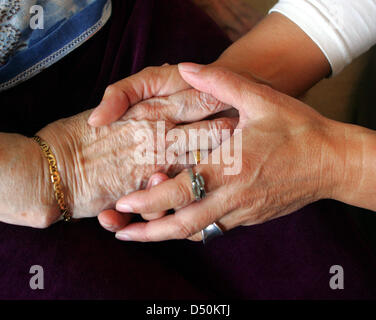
<point>289,155</point>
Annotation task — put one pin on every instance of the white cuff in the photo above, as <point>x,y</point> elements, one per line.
<point>342,29</point>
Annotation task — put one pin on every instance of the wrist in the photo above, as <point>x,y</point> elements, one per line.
<point>61,150</point>
<point>47,211</point>
<point>225,62</point>
<point>357,182</point>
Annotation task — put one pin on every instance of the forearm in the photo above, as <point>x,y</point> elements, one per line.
<point>277,52</point>
<point>26,195</point>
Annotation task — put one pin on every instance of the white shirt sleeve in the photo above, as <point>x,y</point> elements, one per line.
<point>343,29</point>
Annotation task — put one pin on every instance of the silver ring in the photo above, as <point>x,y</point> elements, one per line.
<point>198,185</point>
<point>210,232</point>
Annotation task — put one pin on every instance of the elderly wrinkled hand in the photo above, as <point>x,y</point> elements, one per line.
<point>99,165</point>
<point>289,158</point>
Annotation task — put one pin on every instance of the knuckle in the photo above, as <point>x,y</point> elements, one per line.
<point>146,109</point>
<point>183,194</point>
<point>264,88</point>
<point>149,69</point>
<point>111,89</point>
<point>220,129</point>
<point>263,92</point>
<point>145,207</point>
<point>208,103</point>
<point>151,73</point>
<point>222,124</point>
<point>183,231</point>
<point>220,73</point>
<point>209,216</point>
<point>215,137</point>
<point>196,237</point>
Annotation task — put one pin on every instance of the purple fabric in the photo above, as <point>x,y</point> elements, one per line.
<point>286,258</point>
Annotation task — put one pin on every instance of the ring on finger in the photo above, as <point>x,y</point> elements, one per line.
<point>198,185</point>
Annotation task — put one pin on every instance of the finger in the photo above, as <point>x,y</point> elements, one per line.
<point>150,82</point>
<point>208,134</point>
<point>189,159</point>
<point>197,237</point>
<point>154,180</point>
<point>167,195</point>
<point>186,161</point>
<point>202,135</point>
<point>229,221</point>
<point>223,226</point>
<point>186,106</point>
<point>183,224</point>
<point>237,217</point>
<point>153,216</point>
<point>224,85</point>
<point>113,221</point>
<point>177,192</point>
<point>173,193</point>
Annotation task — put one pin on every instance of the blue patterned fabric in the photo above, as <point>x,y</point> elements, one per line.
<point>25,51</point>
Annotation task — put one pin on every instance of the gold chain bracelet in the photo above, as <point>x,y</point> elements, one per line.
<point>55,177</point>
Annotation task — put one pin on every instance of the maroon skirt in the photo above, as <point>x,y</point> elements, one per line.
<point>286,258</point>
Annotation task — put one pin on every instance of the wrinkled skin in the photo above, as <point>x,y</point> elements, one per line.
<point>175,98</point>
<point>291,156</point>
<point>98,164</point>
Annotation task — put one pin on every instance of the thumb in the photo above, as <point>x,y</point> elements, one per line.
<point>226,86</point>
<point>148,83</point>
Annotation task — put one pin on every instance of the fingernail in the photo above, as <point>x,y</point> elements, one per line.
<point>152,183</point>
<point>155,182</point>
<point>108,227</point>
<point>190,67</point>
<point>105,225</point>
<point>93,119</point>
<point>123,207</point>
<point>122,236</point>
